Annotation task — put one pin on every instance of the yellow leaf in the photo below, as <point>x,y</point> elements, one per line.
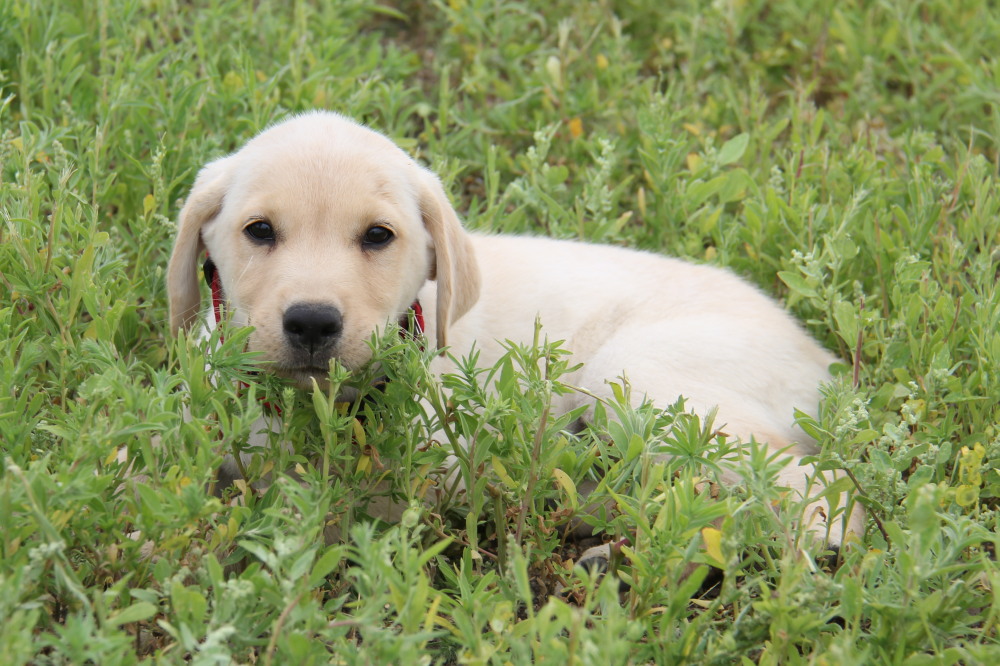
<point>443,622</point>
<point>691,127</point>
<point>232,82</point>
<point>501,472</point>
<point>422,488</point>
<point>693,161</point>
<point>713,545</point>
<point>359,433</point>
<point>60,518</point>
<point>423,481</point>
<point>148,204</point>
<point>966,496</point>
<point>601,61</point>
<point>851,539</point>
<point>576,128</point>
<point>566,483</point>
<point>554,69</point>
<point>622,220</point>
<point>432,613</point>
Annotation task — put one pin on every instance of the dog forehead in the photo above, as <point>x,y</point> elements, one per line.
<point>324,160</point>
<point>325,135</point>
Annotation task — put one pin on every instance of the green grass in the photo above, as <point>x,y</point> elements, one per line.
<point>843,156</point>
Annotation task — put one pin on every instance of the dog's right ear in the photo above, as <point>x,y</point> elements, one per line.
<point>203,203</point>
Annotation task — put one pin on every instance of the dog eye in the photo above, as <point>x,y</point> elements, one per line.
<point>260,231</point>
<point>377,236</point>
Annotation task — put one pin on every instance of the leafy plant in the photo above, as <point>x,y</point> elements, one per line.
<point>843,157</point>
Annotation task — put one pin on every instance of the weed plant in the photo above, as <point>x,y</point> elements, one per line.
<point>842,156</point>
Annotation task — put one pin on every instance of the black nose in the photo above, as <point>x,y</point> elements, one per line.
<point>312,327</point>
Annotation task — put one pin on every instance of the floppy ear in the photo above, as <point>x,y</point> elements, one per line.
<point>203,203</point>
<point>455,268</point>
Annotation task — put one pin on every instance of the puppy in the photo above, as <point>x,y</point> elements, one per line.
<point>323,231</point>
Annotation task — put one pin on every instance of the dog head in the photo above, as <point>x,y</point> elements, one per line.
<point>322,231</point>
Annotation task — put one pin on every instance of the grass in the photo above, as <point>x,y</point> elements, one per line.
<point>843,156</point>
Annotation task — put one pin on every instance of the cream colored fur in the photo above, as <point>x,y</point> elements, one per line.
<point>321,181</point>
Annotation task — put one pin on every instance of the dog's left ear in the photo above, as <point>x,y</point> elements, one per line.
<point>455,267</point>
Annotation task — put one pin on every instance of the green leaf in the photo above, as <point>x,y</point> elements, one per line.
<point>556,175</point>
<point>846,316</point>
<point>798,284</point>
<point>838,487</point>
<point>733,149</point>
<point>862,436</point>
<point>636,444</point>
<point>734,187</point>
<point>809,425</point>
<point>137,612</point>
<point>699,191</point>
<point>325,564</point>
<point>188,603</point>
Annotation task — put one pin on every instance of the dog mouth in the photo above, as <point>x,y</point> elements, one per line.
<point>310,370</point>
<point>301,375</point>
<point>306,377</point>
<point>305,373</point>
<point>303,364</point>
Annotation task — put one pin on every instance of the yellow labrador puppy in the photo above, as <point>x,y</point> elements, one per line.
<point>322,231</point>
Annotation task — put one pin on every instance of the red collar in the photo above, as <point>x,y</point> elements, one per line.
<point>418,321</point>
<point>215,284</point>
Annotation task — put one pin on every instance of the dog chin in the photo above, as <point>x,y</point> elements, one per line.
<point>302,378</point>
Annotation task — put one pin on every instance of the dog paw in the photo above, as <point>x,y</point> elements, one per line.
<point>600,560</point>
<point>595,560</point>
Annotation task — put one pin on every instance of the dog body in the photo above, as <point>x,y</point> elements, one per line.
<point>671,327</point>
<point>324,231</point>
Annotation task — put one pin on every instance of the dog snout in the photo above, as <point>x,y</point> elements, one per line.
<point>312,327</point>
